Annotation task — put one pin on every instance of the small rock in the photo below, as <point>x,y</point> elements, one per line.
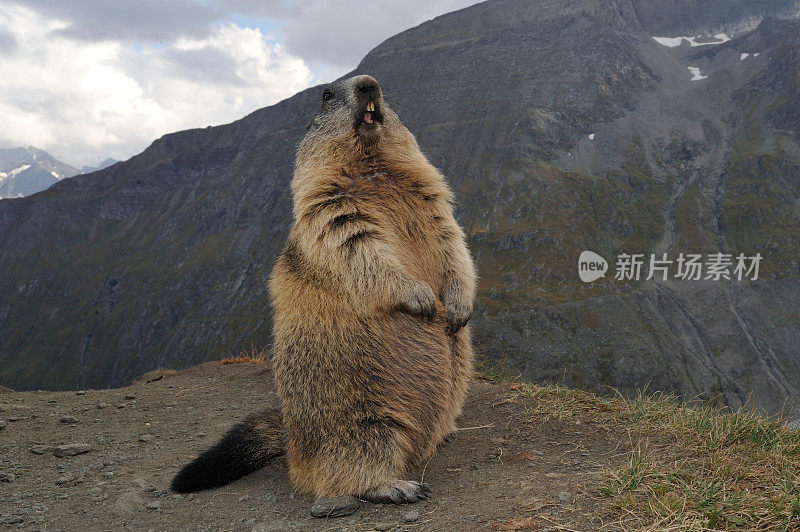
<point>64,480</point>
<point>146,437</point>
<point>102,405</point>
<point>3,424</point>
<point>51,401</point>
<point>564,497</point>
<point>107,474</point>
<point>69,419</point>
<point>384,527</point>
<point>128,503</point>
<point>201,434</point>
<point>7,477</point>
<point>141,483</point>
<point>155,505</point>
<point>334,506</point>
<point>410,516</point>
<point>80,392</point>
<point>43,449</point>
<point>177,496</point>
<point>13,419</point>
<point>130,397</point>
<point>14,520</point>
<point>71,449</point>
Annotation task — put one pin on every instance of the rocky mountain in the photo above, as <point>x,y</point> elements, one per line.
<point>563,126</point>
<point>104,164</point>
<point>25,171</point>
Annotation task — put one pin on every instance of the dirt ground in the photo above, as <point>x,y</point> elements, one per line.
<point>505,469</point>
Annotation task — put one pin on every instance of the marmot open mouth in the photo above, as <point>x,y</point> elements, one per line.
<point>368,113</point>
<point>371,114</point>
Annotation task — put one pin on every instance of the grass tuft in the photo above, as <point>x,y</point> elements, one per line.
<point>252,355</point>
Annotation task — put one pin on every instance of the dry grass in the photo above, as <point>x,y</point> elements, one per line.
<point>252,355</point>
<point>688,467</point>
<point>520,523</point>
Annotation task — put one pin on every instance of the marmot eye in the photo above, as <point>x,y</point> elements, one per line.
<point>327,95</point>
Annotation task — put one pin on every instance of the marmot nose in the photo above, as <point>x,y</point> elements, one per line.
<point>367,87</point>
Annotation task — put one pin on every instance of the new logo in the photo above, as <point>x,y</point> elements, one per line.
<point>591,266</point>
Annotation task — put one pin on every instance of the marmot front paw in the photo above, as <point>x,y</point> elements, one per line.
<point>419,300</point>
<point>457,308</point>
<point>457,316</point>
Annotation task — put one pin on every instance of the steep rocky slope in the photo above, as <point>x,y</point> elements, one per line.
<point>562,126</point>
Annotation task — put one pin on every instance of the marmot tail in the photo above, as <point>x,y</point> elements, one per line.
<point>245,448</point>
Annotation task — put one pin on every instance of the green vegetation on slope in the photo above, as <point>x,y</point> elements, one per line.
<point>759,211</point>
<point>688,466</point>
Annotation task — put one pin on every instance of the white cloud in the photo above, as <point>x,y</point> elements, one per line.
<point>87,100</point>
<point>129,20</point>
<point>89,79</point>
<point>338,34</point>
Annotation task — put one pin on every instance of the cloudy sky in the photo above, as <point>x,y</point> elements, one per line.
<point>85,80</point>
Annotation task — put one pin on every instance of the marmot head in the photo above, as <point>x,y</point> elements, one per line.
<point>353,124</point>
<point>352,106</point>
<point>352,115</point>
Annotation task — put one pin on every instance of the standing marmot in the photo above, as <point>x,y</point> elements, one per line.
<point>371,295</point>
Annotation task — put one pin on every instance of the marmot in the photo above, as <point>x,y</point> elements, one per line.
<point>371,295</point>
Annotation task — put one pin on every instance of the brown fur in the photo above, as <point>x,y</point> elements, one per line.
<point>370,379</point>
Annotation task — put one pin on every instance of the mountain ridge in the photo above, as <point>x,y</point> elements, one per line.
<point>561,127</point>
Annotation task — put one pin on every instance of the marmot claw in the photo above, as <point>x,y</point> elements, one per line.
<point>457,317</point>
<point>399,492</point>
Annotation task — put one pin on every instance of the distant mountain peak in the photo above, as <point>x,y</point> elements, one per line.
<point>25,171</point>
<point>104,164</point>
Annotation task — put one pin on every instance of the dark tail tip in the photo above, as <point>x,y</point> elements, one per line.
<point>240,452</point>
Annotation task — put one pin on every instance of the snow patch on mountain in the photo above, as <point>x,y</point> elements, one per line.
<point>673,42</point>
<point>696,75</point>
<point>22,168</point>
